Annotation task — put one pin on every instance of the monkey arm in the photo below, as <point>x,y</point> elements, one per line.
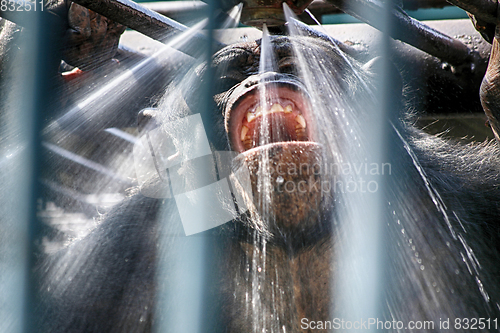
<point>490,87</point>
<point>91,39</point>
<point>483,20</point>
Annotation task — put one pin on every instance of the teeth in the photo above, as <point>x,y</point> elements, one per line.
<point>276,108</point>
<point>300,126</point>
<point>299,119</point>
<point>250,116</point>
<point>244,131</point>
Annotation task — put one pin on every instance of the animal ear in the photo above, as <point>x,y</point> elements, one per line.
<point>385,72</point>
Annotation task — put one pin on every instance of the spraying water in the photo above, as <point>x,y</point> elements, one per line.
<point>352,141</point>
<point>96,102</point>
<point>95,108</point>
<point>268,102</point>
<point>233,19</point>
<point>359,138</point>
<point>348,122</point>
<point>331,111</point>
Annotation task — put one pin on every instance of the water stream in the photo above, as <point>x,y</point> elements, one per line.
<point>366,225</point>
<point>348,120</point>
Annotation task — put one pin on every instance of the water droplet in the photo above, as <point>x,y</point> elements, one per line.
<point>422,267</point>
<point>259,269</point>
<point>280,180</point>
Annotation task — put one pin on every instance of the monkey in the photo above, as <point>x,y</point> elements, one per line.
<point>276,265</point>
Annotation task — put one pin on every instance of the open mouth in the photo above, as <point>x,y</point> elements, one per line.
<point>271,125</point>
<point>281,116</point>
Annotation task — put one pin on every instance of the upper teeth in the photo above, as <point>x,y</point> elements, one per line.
<point>275,108</point>
<point>250,117</point>
<point>300,123</point>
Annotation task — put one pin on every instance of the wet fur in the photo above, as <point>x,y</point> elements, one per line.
<point>113,281</point>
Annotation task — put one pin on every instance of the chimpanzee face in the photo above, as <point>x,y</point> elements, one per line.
<point>269,117</point>
<point>283,121</point>
<point>267,107</point>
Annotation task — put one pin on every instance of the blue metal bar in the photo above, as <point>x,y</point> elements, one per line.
<point>28,72</point>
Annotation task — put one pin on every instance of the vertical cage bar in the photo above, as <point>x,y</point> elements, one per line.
<point>27,96</point>
<point>362,286</point>
<point>187,305</point>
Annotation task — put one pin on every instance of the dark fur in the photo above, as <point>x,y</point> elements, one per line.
<point>110,284</point>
